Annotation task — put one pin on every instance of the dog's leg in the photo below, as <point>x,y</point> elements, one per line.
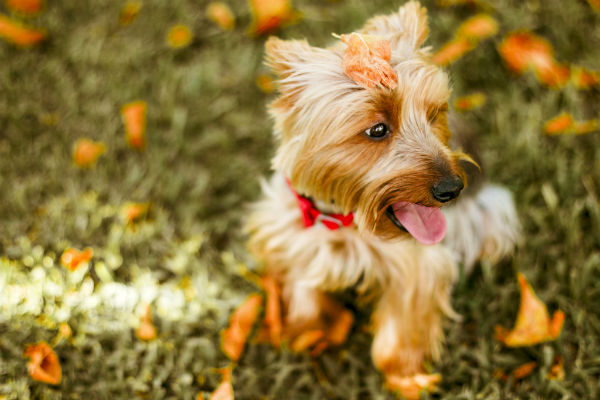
<point>408,318</point>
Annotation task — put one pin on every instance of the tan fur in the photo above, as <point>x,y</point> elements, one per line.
<point>320,118</point>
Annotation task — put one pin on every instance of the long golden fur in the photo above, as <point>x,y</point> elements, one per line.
<point>320,117</point>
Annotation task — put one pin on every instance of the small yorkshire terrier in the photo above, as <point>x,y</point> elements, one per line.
<point>361,174</point>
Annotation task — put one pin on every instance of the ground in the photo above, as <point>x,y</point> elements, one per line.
<point>209,141</point>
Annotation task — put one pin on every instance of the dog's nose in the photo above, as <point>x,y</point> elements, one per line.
<point>447,189</point>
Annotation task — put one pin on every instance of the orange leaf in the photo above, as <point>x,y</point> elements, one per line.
<point>134,118</point>
<point>307,339</point>
<point>273,310</point>
<point>581,127</point>
<point>470,102</point>
<point>233,339</point>
<point>19,34</point>
<point>72,258</point>
<point>533,323</point>
<point>367,61</point>
<point>133,211</point>
<point>86,152</point>
<point>478,27</point>
<point>268,15</point>
<point>557,371</point>
<point>265,83</point>
<point>220,13</point>
<point>583,78</point>
<point>44,365</point>
<point>523,50</point>
<point>524,370</point>
<point>30,7</point>
<point>411,386</point>
<point>130,11</point>
<point>225,390</point>
<point>179,36</point>
<point>146,330</point>
<point>452,51</point>
<point>559,124</point>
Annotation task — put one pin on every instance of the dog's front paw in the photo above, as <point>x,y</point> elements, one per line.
<point>410,387</point>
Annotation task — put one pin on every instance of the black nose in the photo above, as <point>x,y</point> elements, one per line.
<point>447,189</point>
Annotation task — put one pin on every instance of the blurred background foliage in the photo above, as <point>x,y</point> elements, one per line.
<point>208,143</point>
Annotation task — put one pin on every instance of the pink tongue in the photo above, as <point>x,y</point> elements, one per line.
<point>426,224</point>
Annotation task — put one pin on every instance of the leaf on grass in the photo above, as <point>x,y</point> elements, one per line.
<point>17,33</point>
<point>272,310</point>
<point>134,118</point>
<point>26,7</point>
<point>86,152</point>
<point>470,102</point>
<point>565,124</point>
<point>233,339</point>
<point>72,258</point>
<point>265,83</point>
<point>524,370</point>
<point>557,371</point>
<point>584,78</point>
<point>478,27</point>
<point>523,51</point>
<point>220,13</point>
<point>132,212</point>
<point>367,61</point>
<point>44,365</point>
<point>225,390</point>
<point>533,323</point>
<point>130,12</point>
<point>411,386</point>
<point>269,15</point>
<point>595,4</point>
<point>146,331</point>
<point>307,339</point>
<point>452,51</point>
<point>179,36</point>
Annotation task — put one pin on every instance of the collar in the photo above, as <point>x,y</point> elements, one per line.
<point>311,215</point>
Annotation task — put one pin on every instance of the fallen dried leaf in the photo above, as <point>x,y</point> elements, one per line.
<point>582,127</point>
<point>478,27</point>
<point>411,386</point>
<point>179,36</point>
<point>130,11</point>
<point>44,365</point>
<point>72,258</point>
<point>533,323</point>
<point>470,102</point>
<point>233,339</point>
<point>307,339</point>
<point>273,310</point>
<point>146,330</point>
<point>27,7</point>
<point>595,4</point>
<point>220,13</point>
<point>269,15</point>
<point>583,78</point>
<point>265,83</point>
<point>134,118</point>
<point>557,371</point>
<point>559,124</point>
<point>131,212</point>
<point>17,33</point>
<point>523,50</point>
<point>367,61</point>
<point>452,51</point>
<point>524,370</point>
<point>86,152</point>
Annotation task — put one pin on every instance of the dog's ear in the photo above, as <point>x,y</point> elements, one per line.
<point>407,29</point>
<point>284,56</point>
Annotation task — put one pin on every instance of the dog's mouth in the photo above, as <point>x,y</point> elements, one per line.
<point>426,224</point>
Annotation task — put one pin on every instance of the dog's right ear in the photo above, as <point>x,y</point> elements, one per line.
<point>285,56</point>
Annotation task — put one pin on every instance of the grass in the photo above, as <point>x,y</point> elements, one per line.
<point>209,141</point>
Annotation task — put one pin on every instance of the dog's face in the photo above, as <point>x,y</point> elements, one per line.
<point>380,153</point>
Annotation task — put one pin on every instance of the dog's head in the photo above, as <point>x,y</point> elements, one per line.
<point>380,153</point>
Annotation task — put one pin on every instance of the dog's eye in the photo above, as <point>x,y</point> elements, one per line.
<point>377,132</point>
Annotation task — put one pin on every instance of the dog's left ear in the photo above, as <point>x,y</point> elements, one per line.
<point>406,29</point>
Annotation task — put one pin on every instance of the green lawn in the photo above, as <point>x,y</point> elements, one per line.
<point>209,141</point>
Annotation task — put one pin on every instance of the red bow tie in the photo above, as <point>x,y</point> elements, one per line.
<point>311,215</point>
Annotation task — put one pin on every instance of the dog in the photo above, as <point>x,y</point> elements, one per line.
<point>355,202</point>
